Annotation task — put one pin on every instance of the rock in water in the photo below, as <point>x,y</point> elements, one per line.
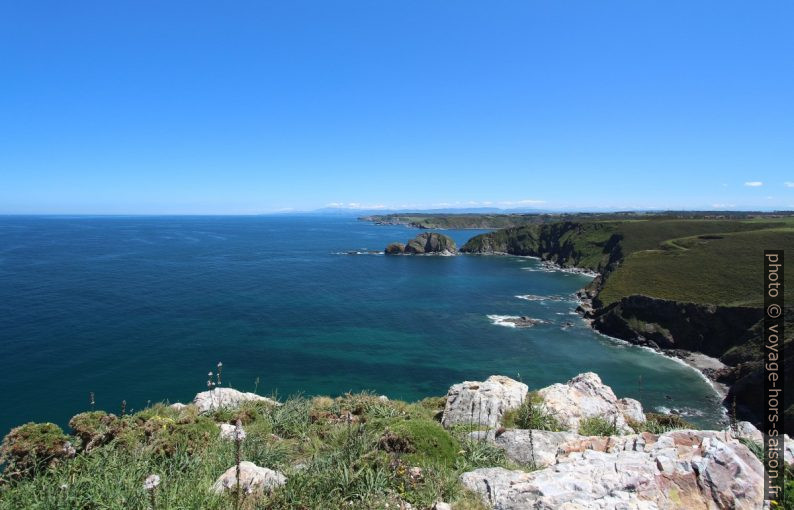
<point>220,398</point>
<point>482,403</point>
<point>429,243</point>
<point>395,249</point>
<point>585,396</point>
<point>252,479</point>
<point>679,469</point>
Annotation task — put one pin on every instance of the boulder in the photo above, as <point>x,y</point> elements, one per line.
<point>482,403</point>
<point>679,469</point>
<point>541,451</point>
<point>253,479</point>
<point>227,432</point>
<point>585,396</point>
<point>177,406</point>
<point>431,243</point>
<point>395,249</point>
<point>228,398</point>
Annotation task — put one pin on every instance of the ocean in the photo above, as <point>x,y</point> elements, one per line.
<point>142,308</point>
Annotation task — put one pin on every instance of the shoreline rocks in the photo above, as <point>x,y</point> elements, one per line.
<point>253,479</point>
<point>429,243</point>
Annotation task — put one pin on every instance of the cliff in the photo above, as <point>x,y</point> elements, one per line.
<point>688,285</point>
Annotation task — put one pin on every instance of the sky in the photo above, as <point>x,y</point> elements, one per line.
<point>197,107</point>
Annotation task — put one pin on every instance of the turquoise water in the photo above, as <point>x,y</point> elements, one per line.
<point>141,308</point>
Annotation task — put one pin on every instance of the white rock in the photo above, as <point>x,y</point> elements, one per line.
<point>585,396</point>
<point>482,403</point>
<point>680,469</point>
<point>442,506</point>
<point>252,479</point>
<point>515,442</point>
<point>383,398</point>
<point>219,398</point>
<point>747,430</point>
<point>227,432</point>
<point>177,406</point>
<point>788,453</point>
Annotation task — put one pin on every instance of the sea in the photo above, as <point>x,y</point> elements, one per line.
<point>141,308</point>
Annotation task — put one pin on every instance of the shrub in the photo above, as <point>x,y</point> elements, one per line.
<point>95,428</point>
<point>431,443</point>
<point>597,426</point>
<point>532,414</point>
<point>657,423</point>
<point>33,447</point>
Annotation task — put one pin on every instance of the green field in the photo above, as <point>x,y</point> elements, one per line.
<point>715,266</point>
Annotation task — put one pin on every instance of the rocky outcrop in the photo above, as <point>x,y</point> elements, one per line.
<point>395,249</point>
<point>680,469</point>
<point>665,324</point>
<point>483,403</point>
<point>253,479</point>
<point>585,396</point>
<point>539,451</point>
<point>430,243</point>
<point>220,398</point>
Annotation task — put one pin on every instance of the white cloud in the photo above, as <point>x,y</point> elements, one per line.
<point>522,202</point>
<point>354,205</point>
<point>789,184</point>
<point>754,184</point>
<point>723,206</point>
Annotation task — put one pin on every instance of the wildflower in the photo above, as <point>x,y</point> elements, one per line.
<point>151,482</point>
<point>64,486</point>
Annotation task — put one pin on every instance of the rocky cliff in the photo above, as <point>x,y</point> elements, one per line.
<point>430,243</point>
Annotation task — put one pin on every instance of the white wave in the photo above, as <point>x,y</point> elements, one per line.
<point>503,320</point>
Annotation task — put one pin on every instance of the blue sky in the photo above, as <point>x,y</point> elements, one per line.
<point>248,107</point>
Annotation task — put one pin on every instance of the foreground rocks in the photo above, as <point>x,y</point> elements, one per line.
<point>253,479</point>
<point>226,398</point>
<point>482,403</point>
<point>679,469</point>
<point>430,243</point>
<point>540,451</point>
<point>585,396</point>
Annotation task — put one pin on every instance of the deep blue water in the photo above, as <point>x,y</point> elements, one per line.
<point>141,308</point>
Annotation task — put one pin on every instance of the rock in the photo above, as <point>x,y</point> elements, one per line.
<point>252,479</point>
<point>442,506</point>
<point>585,396</point>
<point>227,432</point>
<point>177,406</point>
<point>788,453</point>
<point>482,403</point>
<point>747,430</point>
<point>395,249</point>
<point>383,398</point>
<point>431,243</point>
<point>220,398</point>
<point>517,447</point>
<point>679,469</point>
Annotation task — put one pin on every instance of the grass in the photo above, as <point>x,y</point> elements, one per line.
<point>332,451</point>
<point>531,415</point>
<point>597,426</point>
<point>724,269</point>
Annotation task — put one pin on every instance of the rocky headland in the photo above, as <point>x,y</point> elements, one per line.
<point>429,243</point>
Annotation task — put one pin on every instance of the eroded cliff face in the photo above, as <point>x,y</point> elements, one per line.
<point>659,323</point>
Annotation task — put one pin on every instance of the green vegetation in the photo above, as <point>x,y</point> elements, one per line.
<point>656,423</point>
<point>531,415</point>
<point>352,451</point>
<point>598,426</point>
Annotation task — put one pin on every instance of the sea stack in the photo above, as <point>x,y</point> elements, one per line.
<point>430,243</point>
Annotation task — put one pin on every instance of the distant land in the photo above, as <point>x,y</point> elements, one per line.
<point>677,281</point>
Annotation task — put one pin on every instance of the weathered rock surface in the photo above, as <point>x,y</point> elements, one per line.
<point>228,432</point>
<point>252,479</point>
<point>679,469</point>
<point>541,451</point>
<point>585,396</point>
<point>429,243</point>
<point>482,403</point>
<point>220,398</point>
<point>395,249</point>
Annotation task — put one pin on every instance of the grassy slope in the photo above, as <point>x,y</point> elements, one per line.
<point>722,269</point>
<point>329,463</point>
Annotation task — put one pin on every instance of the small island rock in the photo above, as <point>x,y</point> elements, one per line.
<point>429,243</point>
<point>395,249</point>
